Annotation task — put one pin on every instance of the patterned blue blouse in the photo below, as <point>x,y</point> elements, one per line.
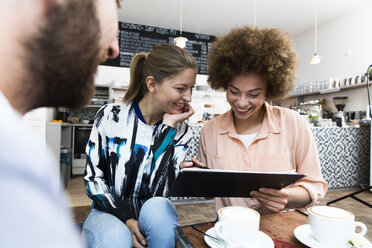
<point>129,162</point>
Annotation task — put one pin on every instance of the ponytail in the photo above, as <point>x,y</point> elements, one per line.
<point>137,85</point>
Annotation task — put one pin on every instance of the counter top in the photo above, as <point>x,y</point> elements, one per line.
<point>68,124</point>
<point>80,125</point>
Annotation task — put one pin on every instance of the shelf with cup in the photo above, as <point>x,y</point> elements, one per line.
<point>123,88</point>
<point>329,90</point>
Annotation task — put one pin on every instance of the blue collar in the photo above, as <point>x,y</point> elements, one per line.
<point>138,112</point>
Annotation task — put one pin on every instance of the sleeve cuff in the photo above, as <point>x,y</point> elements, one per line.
<point>316,190</point>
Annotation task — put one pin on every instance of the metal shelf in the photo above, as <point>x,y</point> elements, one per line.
<point>125,88</point>
<point>328,91</point>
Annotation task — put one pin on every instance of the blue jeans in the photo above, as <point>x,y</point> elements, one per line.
<point>157,219</point>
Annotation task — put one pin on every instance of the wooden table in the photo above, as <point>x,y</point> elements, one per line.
<point>279,226</point>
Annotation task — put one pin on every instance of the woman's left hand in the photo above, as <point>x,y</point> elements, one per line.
<point>273,199</point>
<point>186,164</point>
<point>173,119</point>
<point>190,164</point>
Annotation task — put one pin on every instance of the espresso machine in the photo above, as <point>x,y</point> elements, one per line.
<point>62,114</point>
<point>339,116</point>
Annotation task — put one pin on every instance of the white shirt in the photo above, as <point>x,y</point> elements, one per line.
<point>247,139</point>
<point>33,211</point>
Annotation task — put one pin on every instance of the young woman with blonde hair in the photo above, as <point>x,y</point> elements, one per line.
<point>135,151</point>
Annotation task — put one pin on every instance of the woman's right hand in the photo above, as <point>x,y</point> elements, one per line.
<point>173,119</point>
<point>138,240</point>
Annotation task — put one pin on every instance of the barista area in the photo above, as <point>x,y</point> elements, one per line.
<point>338,114</point>
<point>332,103</point>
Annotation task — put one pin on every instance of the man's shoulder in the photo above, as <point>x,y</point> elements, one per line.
<point>22,150</point>
<point>29,181</point>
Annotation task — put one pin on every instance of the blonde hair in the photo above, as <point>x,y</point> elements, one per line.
<point>164,61</point>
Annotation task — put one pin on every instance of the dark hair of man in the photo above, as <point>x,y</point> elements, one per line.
<point>62,58</point>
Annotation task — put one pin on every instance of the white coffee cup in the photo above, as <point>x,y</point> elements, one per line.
<point>334,226</point>
<point>238,226</point>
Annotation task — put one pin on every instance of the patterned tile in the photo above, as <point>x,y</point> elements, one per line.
<point>344,155</point>
<point>196,129</point>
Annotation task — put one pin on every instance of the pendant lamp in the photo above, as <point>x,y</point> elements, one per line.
<point>181,41</point>
<point>315,59</point>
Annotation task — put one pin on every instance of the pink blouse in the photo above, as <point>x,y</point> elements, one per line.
<point>283,143</point>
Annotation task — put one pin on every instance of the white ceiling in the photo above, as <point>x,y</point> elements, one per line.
<point>217,17</point>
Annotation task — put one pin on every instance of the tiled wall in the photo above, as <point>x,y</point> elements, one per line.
<point>344,155</point>
<point>85,113</point>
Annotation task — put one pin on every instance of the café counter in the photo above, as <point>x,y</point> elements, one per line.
<point>344,154</point>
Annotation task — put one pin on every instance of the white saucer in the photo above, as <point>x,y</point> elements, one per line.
<point>304,235</point>
<point>263,240</point>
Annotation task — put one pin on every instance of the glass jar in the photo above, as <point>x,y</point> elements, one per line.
<point>208,112</point>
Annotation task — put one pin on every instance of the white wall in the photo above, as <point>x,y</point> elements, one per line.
<point>112,76</point>
<point>350,33</point>
<point>119,76</point>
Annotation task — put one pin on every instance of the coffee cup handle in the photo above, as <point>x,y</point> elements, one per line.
<point>362,226</point>
<point>218,227</point>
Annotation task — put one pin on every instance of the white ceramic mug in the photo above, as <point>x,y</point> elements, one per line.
<point>334,226</point>
<point>238,226</point>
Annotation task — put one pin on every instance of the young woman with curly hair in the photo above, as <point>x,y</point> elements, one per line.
<point>255,66</point>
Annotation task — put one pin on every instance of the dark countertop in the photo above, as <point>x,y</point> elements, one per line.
<point>68,124</point>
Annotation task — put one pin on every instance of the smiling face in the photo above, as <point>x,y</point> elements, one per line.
<point>246,95</point>
<point>173,93</point>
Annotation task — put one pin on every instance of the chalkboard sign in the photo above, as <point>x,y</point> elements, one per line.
<point>135,38</point>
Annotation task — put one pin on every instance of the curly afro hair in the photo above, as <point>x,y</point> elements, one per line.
<point>268,52</point>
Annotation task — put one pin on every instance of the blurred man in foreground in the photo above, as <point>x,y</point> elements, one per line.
<point>49,52</point>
